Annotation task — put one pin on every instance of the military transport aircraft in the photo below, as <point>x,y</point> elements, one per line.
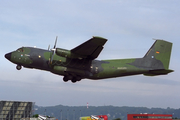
<point>79,63</point>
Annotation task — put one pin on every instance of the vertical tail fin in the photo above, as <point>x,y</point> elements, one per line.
<point>160,50</point>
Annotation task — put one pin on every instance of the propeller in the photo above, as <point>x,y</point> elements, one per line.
<point>48,47</point>
<point>54,50</point>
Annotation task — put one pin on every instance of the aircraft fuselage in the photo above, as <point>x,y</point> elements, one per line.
<point>36,58</point>
<point>155,62</point>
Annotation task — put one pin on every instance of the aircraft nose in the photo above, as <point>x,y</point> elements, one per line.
<point>8,56</point>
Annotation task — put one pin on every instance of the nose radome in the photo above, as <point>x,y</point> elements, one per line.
<point>8,56</point>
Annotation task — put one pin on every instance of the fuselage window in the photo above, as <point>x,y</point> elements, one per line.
<point>20,50</point>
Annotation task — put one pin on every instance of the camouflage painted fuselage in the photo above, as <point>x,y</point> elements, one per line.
<point>37,58</point>
<point>155,62</point>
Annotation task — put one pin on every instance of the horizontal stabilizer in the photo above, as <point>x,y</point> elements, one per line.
<point>158,72</point>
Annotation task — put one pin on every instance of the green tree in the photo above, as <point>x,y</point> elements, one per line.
<point>35,116</point>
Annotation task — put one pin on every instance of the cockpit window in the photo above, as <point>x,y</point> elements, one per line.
<point>20,50</point>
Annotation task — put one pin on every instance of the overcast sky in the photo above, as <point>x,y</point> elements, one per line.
<point>129,26</point>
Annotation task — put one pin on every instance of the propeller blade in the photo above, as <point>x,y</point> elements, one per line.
<point>52,57</point>
<point>48,47</point>
<point>55,42</point>
<point>54,50</point>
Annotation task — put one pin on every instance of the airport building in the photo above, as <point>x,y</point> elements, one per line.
<point>15,110</point>
<point>149,117</point>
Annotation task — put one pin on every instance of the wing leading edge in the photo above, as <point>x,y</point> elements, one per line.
<point>90,48</point>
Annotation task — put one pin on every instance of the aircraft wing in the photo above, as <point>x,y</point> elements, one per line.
<point>91,48</point>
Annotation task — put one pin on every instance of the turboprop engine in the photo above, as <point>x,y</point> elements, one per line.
<point>67,54</point>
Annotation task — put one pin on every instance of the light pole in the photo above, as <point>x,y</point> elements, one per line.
<point>61,114</point>
<point>74,114</point>
<point>45,112</point>
<point>67,113</point>
<point>80,113</point>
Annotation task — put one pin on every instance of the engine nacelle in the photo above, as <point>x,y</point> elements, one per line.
<point>67,54</point>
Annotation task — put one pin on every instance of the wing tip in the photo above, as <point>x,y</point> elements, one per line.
<point>98,37</point>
